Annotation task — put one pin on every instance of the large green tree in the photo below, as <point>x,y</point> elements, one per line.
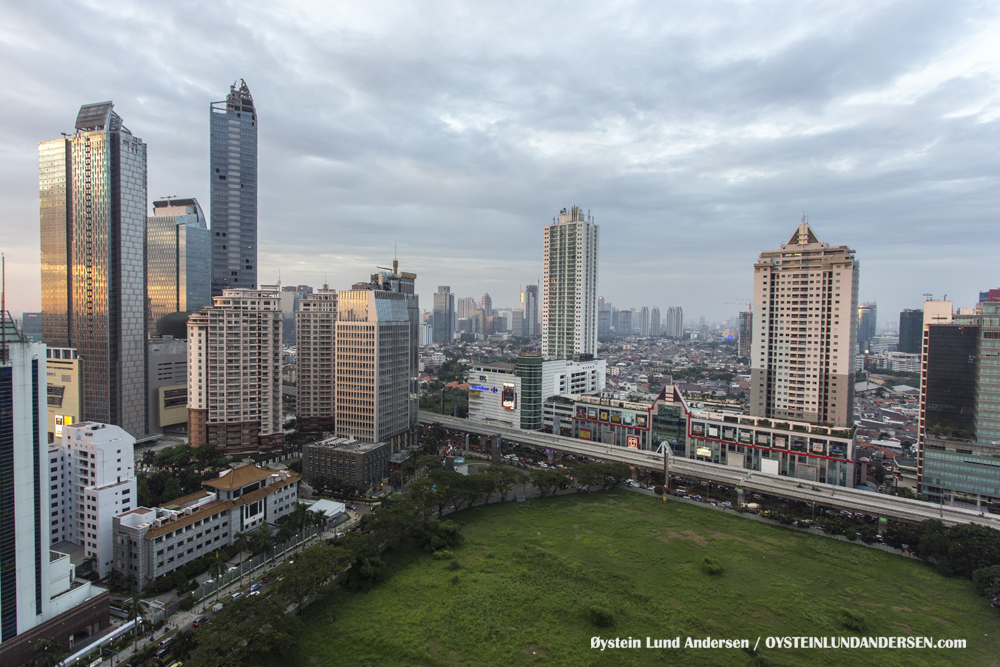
<point>246,632</point>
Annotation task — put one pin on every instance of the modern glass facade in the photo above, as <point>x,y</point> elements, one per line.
<point>93,232</point>
<point>529,369</point>
<point>178,259</point>
<point>233,129</point>
<point>960,411</point>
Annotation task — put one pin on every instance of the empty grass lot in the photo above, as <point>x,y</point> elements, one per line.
<point>533,578</point>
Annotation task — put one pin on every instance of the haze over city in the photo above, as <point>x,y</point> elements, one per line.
<point>695,136</point>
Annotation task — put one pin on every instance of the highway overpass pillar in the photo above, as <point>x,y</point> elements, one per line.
<point>466,444</point>
<point>496,449</point>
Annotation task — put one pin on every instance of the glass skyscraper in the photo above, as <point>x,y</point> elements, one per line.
<point>178,259</point>
<point>92,201</point>
<point>233,129</point>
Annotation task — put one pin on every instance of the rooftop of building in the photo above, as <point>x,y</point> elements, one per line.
<point>349,445</point>
<point>234,478</point>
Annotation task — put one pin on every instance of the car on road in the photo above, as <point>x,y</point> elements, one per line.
<point>200,621</point>
<point>254,593</point>
<point>166,642</point>
<point>237,596</point>
<point>161,654</point>
<point>728,505</point>
<point>256,587</point>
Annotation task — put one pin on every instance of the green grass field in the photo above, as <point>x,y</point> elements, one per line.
<point>530,575</point>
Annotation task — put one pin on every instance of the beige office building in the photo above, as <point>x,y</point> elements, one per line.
<point>234,371</point>
<point>376,350</point>
<point>315,361</point>
<point>64,387</point>
<point>804,334</point>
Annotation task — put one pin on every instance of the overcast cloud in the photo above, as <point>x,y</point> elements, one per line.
<point>697,134</point>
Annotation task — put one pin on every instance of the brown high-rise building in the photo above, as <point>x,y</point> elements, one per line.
<point>804,334</point>
<point>234,371</point>
<point>315,363</point>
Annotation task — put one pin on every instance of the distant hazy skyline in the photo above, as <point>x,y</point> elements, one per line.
<point>697,134</point>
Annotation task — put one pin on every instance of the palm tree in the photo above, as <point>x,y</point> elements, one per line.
<point>45,653</point>
<point>261,540</point>
<point>216,570</point>
<point>286,531</point>
<point>299,519</point>
<point>134,608</point>
<point>240,541</point>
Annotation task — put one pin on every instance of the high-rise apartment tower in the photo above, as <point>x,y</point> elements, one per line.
<point>675,323</point>
<point>92,201</point>
<point>867,324</point>
<point>803,338</point>
<point>911,331</point>
<point>315,361</point>
<point>569,286</point>
<point>529,303</point>
<point>233,129</point>
<point>234,371</point>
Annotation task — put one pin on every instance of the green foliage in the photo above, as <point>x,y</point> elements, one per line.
<point>245,632</point>
<point>853,619</point>
<point>188,602</point>
<point>600,616</point>
<point>453,564</point>
<point>711,566</point>
<point>547,481</point>
<point>295,465</point>
<point>986,581</point>
<point>366,572</point>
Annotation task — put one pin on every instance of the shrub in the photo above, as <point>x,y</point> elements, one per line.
<point>987,580</point>
<point>600,616</point>
<point>444,554</point>
<point>453,564</point>
<point>188,602</point>
<point>454,580</point>
<point>711,566</point>
<point>853,619</point>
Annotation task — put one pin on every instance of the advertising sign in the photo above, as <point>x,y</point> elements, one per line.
<point>591,413</point>
<point>479,387</point>
<point>59,425</point>
<point>697,429</point>
<point>641,421</point>
<point>798,444</point>
<point>628,418</point>
<point>713,431</point>
<point>746,437</point>
<point>817,446</point>
<point>837,450</point>
<point>508,397</point>
<point>763,439</point>
<point>616,417</point>
<point>729,433</point>
<point>585,434</point>
<point>581,413</point>
<point>704,451</point>
<point>604,415</point>
<point>780,442</point>
<point>632,442</point>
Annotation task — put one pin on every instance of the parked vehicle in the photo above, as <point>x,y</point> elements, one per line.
<point>200,621</point>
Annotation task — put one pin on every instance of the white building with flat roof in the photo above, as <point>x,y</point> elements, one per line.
<point>91,479</point>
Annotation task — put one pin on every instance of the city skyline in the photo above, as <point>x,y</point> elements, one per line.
<point>876,122</point>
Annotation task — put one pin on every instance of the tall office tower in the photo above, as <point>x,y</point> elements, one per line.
<point>745,333</point>
<point>517,327</point>
<point>465,307</point>
<point>625,322</point>
<point>444,315</point>
<point>804,335</point>
<point>486,303</point>
<point>100,483</point>
<point>178,259</point>
<point>315,361</point>
<point>675,323</point>
<point>569,286</point>
<point>644,322</point>
<point>92,201</point>
<point>615,318</point>
<point>867,324</point>
<point>529,303</point>
<point>603,322</point>
<point>911,331</point>
<point>233,129</point>
<point>654,323</point>
<point>234,371</point>
<point>959,430</point>
<point>377,360</point>
<point>36,585</point>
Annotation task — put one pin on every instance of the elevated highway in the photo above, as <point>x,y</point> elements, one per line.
<point>825,495</point>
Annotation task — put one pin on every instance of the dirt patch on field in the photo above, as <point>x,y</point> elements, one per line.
<point>671,534</point>
<point>895,608</point>
<point>848,589</point>
<point>941,620</point>
<point>908,629</point>
<point>750,543</point>
<point>696,538</point>
<point>871,604</point>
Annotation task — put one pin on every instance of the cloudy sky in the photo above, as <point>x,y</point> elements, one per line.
<point>696,133</point>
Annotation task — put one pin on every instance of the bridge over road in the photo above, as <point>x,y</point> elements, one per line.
<point>872,504</point>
